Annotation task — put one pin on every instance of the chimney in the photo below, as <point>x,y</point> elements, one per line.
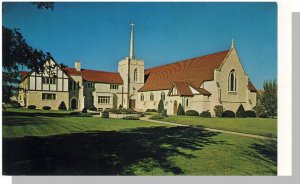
<point>77,66</point>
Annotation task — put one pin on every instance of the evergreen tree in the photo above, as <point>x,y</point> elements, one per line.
<point>180,110</point>
<point>240,113</point>
<point>160,106</point>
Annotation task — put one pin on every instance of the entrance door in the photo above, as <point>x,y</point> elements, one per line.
<point>175,107</point>
<point>73,104</point>
<point>132,104</point>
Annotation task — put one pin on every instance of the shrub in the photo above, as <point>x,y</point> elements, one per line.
<point>130,118</point>
<point>180,110</point>
<point>192,113</point>
<point>15,104</point>
<point>157,116</point>
<point>218,110</point>
<point>113,110</point>
<point>205,114</point>
<point>260,111</point>
<point>46,108</point>
<point>250,114</point>
<point>93,109</point>
<point>75,113</point>
<point>240,112</point>
<point>84,110</point>
<point>31,107</point>
<point>62,106</point>
<point>228,114</point>
<point>105,114</point>
<point>164,113</point>
<point>84,115</point>
<point>151,110</point>
<point>160,106</point>
<point>120,106</point>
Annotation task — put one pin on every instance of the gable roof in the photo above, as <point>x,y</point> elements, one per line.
<point>96,76</point>
<point>185,90</point>
<point>251,87</point>
<point>193,71</point>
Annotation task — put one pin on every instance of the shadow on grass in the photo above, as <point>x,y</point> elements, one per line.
<point>266,152</point>
<point>103,152</point>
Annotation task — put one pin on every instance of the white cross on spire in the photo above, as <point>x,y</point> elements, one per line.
<point>132,24</point>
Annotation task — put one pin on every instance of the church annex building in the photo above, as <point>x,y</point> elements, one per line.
<point>197,84</point>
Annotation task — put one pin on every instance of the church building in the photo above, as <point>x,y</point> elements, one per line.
<point>197,84</point>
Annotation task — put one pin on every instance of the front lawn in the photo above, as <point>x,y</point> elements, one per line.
<point>257,126</point>
<point>36,143</point>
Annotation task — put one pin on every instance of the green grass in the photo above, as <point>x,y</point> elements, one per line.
<point>55,143</point>
<point>257,126</point>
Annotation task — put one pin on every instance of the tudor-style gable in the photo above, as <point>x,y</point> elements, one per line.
<point>53,78</point>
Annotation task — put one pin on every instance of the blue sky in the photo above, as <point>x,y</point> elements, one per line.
<point>97,34</point>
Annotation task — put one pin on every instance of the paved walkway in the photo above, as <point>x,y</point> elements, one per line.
<point>209,129</point>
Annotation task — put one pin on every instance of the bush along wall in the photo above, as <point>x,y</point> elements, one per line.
<point>191,113</point>
<point>205,114</point>
<point>228,114</point>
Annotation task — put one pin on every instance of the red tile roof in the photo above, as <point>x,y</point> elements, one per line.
<point>194,71</point>
<point>23,74</point>
<point>183,89</point>
<point>251,87</point>
<point>96,76</point>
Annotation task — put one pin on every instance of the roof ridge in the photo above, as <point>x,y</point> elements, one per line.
<point>189,59</point>
<point>93,70</point>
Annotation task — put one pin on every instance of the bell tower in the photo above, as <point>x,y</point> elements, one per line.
<point>132,73</point>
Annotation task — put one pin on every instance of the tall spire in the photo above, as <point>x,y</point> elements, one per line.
<point>131,53</point>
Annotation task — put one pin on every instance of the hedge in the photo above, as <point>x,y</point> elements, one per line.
<point>130,118</point>
<point>205,114</point>
<point>31,107</point>
<point>46,108</point>
<point>228,114</point>
<point>157,116</point>
<point>250,114</point>
<point>192,113</point>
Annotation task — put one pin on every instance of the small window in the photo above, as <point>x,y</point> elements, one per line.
<point>142,97</point>
<point>49,80</point>
<point>163,96</point>
<point>187,102</point>
<point>135,75</point>
<point>104,99</point>
<point>151,96</point>
<point>114,86</point>
<point>48,96</point>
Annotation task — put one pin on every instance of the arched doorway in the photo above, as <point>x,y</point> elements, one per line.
<point>73,104</point>
<point>175,107</point>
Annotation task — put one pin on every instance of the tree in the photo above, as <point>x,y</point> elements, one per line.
<point>240,113</point>
<point>180,110</point>
<point>17,54</point>
<point>160,106</point>
<point>218,110</point>
<point>268,98</point>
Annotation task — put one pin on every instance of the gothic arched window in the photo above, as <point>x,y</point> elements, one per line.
<point>135,75</point>
<point>232,81</point>
<point>151,96</point>
<point>163,96</point>
<point>142,97</point>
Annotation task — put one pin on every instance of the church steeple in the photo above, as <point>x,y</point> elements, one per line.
<point>131,53</point>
